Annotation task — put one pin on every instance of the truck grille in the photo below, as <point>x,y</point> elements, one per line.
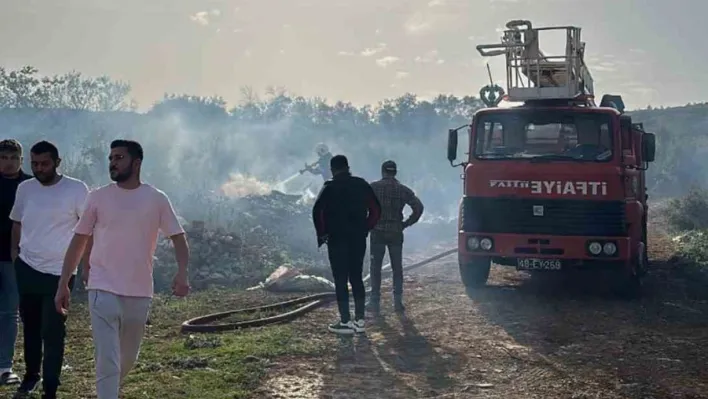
<point>560,217</point>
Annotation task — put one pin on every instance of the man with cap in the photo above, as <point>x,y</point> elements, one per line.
<point>388,232</point>
<point>344,212</point>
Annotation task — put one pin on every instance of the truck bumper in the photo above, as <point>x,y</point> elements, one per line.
<point>572,251</point>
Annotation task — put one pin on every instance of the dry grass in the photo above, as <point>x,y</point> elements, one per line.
<point>519,337</point>
<point>173,365</point>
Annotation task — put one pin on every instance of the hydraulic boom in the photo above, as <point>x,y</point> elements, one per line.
<point>533,75</point>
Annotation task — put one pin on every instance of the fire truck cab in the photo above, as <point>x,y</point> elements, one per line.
<point>556,183</point>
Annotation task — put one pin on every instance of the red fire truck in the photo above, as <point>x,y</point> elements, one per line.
<point>555,183</point>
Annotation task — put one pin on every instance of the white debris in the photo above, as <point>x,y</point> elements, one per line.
<point>289,279</point>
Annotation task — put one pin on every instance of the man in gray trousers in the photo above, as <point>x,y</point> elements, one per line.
<point>120,284</point>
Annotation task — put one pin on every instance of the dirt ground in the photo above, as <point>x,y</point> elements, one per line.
<point>520,337</point>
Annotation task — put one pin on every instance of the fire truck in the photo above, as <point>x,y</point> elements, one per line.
<point>555,182</point>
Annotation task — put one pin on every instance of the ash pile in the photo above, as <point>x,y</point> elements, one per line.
<point>241,241</point>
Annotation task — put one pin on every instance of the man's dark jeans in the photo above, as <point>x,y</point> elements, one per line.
<point>346,257</point>
<point>8,313</point>
<point>380,240</point>
<point>42,324</point>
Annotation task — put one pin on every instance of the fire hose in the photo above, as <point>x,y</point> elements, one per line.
<point>203,324</point>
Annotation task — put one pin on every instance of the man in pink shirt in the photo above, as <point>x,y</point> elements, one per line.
<point>120,227</point>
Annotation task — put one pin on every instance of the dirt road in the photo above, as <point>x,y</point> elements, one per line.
<point>518,338</point>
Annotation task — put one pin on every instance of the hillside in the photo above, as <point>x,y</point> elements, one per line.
<point>682,147</point>
<point>398,128</point>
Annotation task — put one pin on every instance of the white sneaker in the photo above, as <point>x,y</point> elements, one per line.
<point>342,328</point>
<point>359,326</point>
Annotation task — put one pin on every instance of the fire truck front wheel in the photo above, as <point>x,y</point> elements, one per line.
<point>631,282</point>
<point>475,272</point>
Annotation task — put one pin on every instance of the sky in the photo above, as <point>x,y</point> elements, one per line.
<point>652,52</point>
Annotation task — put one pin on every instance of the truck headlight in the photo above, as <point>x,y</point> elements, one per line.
<point>486,244</point>
<point>595,248</point>
<point>609,248</point>
<point>473,243</point>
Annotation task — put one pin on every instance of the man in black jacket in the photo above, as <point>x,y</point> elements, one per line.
<point>345,211</point>
<point>11,175</point>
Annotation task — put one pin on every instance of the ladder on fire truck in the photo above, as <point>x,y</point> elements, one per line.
<point>532,76</point>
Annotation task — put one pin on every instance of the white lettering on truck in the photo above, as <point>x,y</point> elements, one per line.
<point>554,187</point>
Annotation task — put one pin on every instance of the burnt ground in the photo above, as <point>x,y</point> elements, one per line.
<point>520,337</point>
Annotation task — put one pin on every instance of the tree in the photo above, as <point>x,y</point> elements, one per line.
<point>24,88</point>
<point>193,107</point>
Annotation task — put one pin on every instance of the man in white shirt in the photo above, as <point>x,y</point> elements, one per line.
<point>45,212</point>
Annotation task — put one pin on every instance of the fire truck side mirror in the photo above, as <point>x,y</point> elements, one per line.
<point>648,147</point>
<point>451,145</point>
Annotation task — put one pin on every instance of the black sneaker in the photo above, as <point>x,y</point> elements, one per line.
<point>342,328</point>
<point>373,308</point>
<point>359,325</point>
<point>29,384</point>
<point>49,393</point>
<point>398,307</point>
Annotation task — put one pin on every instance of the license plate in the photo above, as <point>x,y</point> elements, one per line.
<point>538,264</point>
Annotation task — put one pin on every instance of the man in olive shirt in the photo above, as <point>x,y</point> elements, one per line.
<point>388,232</point>
<point>11,175</point>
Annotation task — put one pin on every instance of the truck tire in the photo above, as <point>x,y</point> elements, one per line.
<point>630,287</point>
<point>475,272</point>
<point>644,267</point>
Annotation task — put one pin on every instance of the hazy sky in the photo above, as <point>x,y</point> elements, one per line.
<point>650,51</point>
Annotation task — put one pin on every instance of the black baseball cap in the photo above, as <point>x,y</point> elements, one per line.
<point>389,166</point>
<point>339,162</point>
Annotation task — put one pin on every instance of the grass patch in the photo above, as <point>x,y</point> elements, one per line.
<point>246,316</point>
<point>176,365</point>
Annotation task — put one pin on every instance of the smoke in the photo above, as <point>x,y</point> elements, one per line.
<point>241,158</point>
<point>240,185</point>
<point>199,158</point>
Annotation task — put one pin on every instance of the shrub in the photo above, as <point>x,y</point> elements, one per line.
<point>689,212</point>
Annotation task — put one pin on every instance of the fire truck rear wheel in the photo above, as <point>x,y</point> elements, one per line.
<point>475,272</point>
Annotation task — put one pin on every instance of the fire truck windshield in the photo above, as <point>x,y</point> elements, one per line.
<point>547,135</point>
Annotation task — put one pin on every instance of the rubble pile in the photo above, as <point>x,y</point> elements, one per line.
<point>261,234</point>
<point>239,242</point>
